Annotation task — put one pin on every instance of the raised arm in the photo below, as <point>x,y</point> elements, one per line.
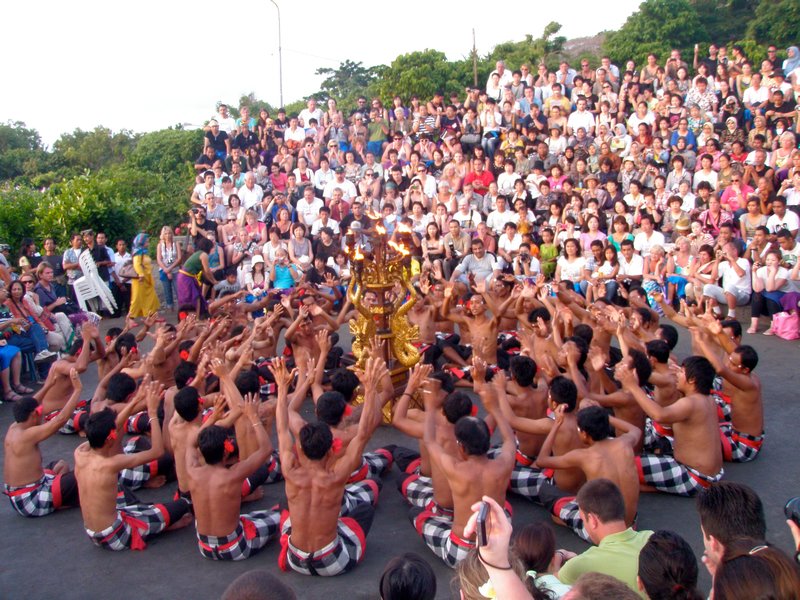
<point>401,421</point>
<point>285,445</point>
<point>34,435</point>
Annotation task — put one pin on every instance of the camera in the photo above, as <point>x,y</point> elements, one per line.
<point>792,510</point>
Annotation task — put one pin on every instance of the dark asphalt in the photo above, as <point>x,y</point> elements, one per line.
<point>52,557</point>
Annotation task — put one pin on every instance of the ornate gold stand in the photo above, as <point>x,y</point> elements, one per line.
<point>380,290</point>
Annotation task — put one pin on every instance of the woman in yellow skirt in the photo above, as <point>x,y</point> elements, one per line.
<point>144,301</point>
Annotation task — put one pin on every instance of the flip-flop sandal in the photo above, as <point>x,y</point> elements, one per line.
<point>752,330</point>
<point>769,332</point>
<point>12,397</point>
<point>21,389</point>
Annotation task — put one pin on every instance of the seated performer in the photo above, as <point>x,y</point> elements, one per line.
<point>319,535</point>
<point>32,490</point>
<point>743,436</point>
<point>98,462</point>
<point>470,473</point>
<point>216,490</point>
<point>698,454</point>
<point>605,457</point>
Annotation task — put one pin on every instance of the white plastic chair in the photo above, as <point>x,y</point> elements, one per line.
<point>91,286</point>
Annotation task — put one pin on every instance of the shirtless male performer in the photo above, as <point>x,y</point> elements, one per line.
<point>743,436</point>
<point>98,462</point>
<point>216,490</point>
<point>470,472</point>
<point>33,490</point>
<point>319,536</point>
<point>605,457</point>
<point>698,454</point>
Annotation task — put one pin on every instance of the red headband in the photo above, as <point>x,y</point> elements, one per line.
<point>112,436</point>
<point>348,410</point>
<point>228,447</point>
<point>336,446</point>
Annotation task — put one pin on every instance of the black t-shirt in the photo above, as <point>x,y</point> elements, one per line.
<point>205,226</point>
<point>315,278</point>
<point>243,141</point>
<point>784,111</point>
<point>100,254</point>
<point>204,160</point>
<point>218,142</point>
<point>324,251</point>
<point>345,223</point>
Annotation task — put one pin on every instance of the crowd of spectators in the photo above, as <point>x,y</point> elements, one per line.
<point>681,179</point>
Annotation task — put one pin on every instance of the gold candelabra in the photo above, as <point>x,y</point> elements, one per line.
<point>380,290</point>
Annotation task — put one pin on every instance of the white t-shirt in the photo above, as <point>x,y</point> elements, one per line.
<point>306,115</point>
<point>579,119</point>
<point>318,224</point>
<point>348,189</point>
<point>509,245</point>
<point>730,278</point>
<point>642,243</point>
<point>789,221</point>
<point>634,268</point>
<point>783,273</point>
<point>226,125</point>
<point>572,271</point>
<point>496,221</point>
<point>250,197</point>
<point>310,211</point>
<point>469,220</point>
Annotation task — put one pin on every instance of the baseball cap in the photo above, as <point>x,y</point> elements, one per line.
<point>339,170</point>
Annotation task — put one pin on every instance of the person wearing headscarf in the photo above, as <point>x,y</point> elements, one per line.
<point>144,301</point>
<point>792,62</point>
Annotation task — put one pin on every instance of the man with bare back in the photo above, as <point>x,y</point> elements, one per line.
<point>604,457</point>
<point>216,490</point>
<point>743,436</point>
<point>98,462</point>
<point>319,536</point>
<point>698,454</point>
<point>470,472</point>
<point>35,491</point>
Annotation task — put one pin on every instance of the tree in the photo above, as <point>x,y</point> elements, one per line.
<point>94,149</point>
<point>346,82</point>
<point>530,51</point>
<point>168,150</point>
<point>658,27</point>
<point>724,20</point>
<point>776,22</point>
<point>420,73</point>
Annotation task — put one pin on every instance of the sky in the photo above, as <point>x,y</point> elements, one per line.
<point>148,65</point>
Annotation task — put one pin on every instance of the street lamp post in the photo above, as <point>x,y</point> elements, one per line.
<point>280,54</point>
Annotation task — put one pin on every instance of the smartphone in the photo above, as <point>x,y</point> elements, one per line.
<point>483,512</point>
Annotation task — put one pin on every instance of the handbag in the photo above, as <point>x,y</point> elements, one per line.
<point>126,271</point>
<point>470,138</point>
<point>786,325</point>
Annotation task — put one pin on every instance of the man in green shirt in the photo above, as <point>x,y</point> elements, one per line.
<point>602,509</point>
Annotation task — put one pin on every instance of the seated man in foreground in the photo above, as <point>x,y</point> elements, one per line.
<point>98,462</point>
<point>320,536</point>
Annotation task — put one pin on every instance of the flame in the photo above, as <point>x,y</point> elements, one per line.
<point>372,214</point>
<point>403,228</point>
<point>400,249</point>
<point>380,229</point>
<point>346,249</point>
<point>358,255</point>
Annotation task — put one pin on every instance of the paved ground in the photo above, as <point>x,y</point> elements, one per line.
<point>52,557</point>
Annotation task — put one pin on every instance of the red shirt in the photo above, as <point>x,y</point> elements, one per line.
<point>480,183</point>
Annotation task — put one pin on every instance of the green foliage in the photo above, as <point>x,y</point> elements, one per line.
<point>419,73</point>
<point>346,82</point>
<point>658,26</point>
<point>16,135</point>
<point>754,51</point>
<point>16,207</point>
<point>81,150</point>
<point>88,200</point>
<point>168,150</point>
<point>724,20</point>
<point>776,22</point>
<point>530,51</point>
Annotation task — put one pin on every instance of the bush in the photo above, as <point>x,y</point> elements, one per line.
<point>167,151</point>
<point>17,205</point>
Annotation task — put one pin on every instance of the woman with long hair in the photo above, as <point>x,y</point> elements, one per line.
<point>668,568</point>
<point>571,265</point>
<point>535,546</point>
<point>168,256</point>
<point>190,277</point>
<point>41,329</point>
